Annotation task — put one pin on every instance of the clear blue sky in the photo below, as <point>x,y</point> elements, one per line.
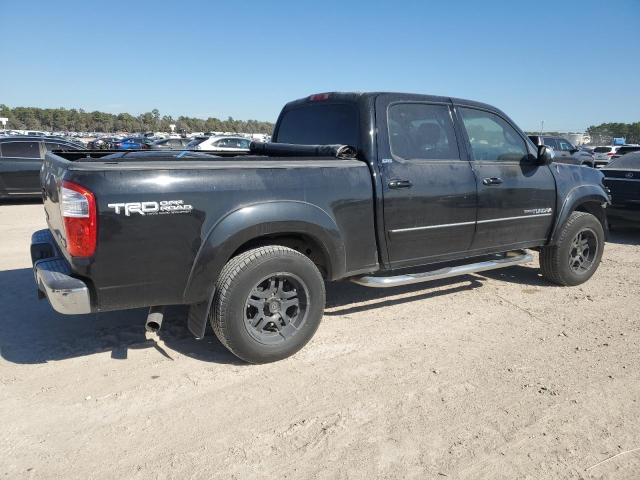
<point>569,63</point>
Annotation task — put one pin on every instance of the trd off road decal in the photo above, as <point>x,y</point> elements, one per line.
<point>164,207</point>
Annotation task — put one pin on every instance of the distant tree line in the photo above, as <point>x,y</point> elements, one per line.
<point>78,120</point>
<point>603,133</point>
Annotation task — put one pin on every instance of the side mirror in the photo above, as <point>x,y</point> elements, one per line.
<point>545,155</point>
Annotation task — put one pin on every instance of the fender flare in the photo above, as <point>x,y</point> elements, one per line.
<point>576,197</point>
<point>254,221</point>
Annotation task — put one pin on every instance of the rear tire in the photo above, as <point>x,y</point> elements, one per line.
<point>268,303</point>
<point>576,256</point>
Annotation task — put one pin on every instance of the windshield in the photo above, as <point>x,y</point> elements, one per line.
<point>631,161</point>
<point>319,124</point>
<point>195,142</point>
<point>627,149</point>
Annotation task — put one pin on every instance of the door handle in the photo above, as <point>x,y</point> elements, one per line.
<point>400,184</point>
<point>492,181</point>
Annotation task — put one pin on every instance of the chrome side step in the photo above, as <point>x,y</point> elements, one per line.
<point>509,259</point>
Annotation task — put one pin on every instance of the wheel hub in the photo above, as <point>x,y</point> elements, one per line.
<point>276,308</point>
<point>583,250</point>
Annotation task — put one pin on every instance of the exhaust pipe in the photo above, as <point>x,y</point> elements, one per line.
<point>154,319</point>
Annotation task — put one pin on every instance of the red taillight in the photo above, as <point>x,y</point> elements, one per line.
<point>319,97</point>
<point>78,208</point>
<point>610,154</point>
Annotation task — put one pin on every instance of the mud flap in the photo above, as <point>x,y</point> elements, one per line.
<point>197,319</point>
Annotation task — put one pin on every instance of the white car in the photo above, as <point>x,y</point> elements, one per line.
<point>602,154</point>
<point>220,144</point>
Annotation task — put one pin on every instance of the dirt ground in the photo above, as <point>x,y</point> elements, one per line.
<point>497,376</point>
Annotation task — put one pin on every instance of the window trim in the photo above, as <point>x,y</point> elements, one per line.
<point>527,141</point>
<point>452,115</point>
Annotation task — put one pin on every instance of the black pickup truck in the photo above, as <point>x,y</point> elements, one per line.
<point>383,189</point>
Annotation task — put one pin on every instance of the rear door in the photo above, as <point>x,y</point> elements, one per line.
<point>429,189</point>
<point>516,196</point>
<point>20,162</point>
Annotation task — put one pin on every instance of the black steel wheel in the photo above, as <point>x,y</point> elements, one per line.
<point>276,308</point>
<point>583,251</point>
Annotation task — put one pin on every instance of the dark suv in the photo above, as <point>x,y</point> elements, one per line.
<point>20,161</point>
<point>564,150</point>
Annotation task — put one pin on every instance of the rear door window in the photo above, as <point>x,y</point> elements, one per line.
<point>421,131</point>
<point>21,149</point>
<point>551,142</point>
<point>319,124</point>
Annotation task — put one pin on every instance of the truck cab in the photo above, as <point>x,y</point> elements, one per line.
<point>455,178</point>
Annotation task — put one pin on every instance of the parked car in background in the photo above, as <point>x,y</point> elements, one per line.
<point>224,144</point>
<point>602,154</point>
<point>195,141</point>
<point>564,150</point>
<point>131,143</point>
<point>170,143</point>
<point>624,149</point>
<point>102,143</point>
<point>622,177</point>
<point>20,161</point>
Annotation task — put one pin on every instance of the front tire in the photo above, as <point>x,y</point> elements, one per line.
<point>576,256</point>
<point>268,303</point>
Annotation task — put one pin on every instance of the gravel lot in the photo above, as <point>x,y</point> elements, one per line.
<point>499,375</point>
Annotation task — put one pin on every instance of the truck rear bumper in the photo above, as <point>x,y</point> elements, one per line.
<point>66,294</point>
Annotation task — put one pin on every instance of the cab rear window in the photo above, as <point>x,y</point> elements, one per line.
<point>319,124</point>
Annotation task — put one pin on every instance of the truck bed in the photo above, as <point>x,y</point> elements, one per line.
<point>160,258</point>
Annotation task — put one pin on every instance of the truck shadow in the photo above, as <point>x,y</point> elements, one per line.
<point>344,298</point>
<point>520,274</point>
<point>32,332</point>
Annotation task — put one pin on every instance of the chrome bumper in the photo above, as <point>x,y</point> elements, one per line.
<point>66,294</point>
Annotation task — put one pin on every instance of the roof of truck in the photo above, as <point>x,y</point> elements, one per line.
<point>360,96</point>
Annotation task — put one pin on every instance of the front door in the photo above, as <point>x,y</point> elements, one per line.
<point>516,196</point>
<point>429,190</point>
